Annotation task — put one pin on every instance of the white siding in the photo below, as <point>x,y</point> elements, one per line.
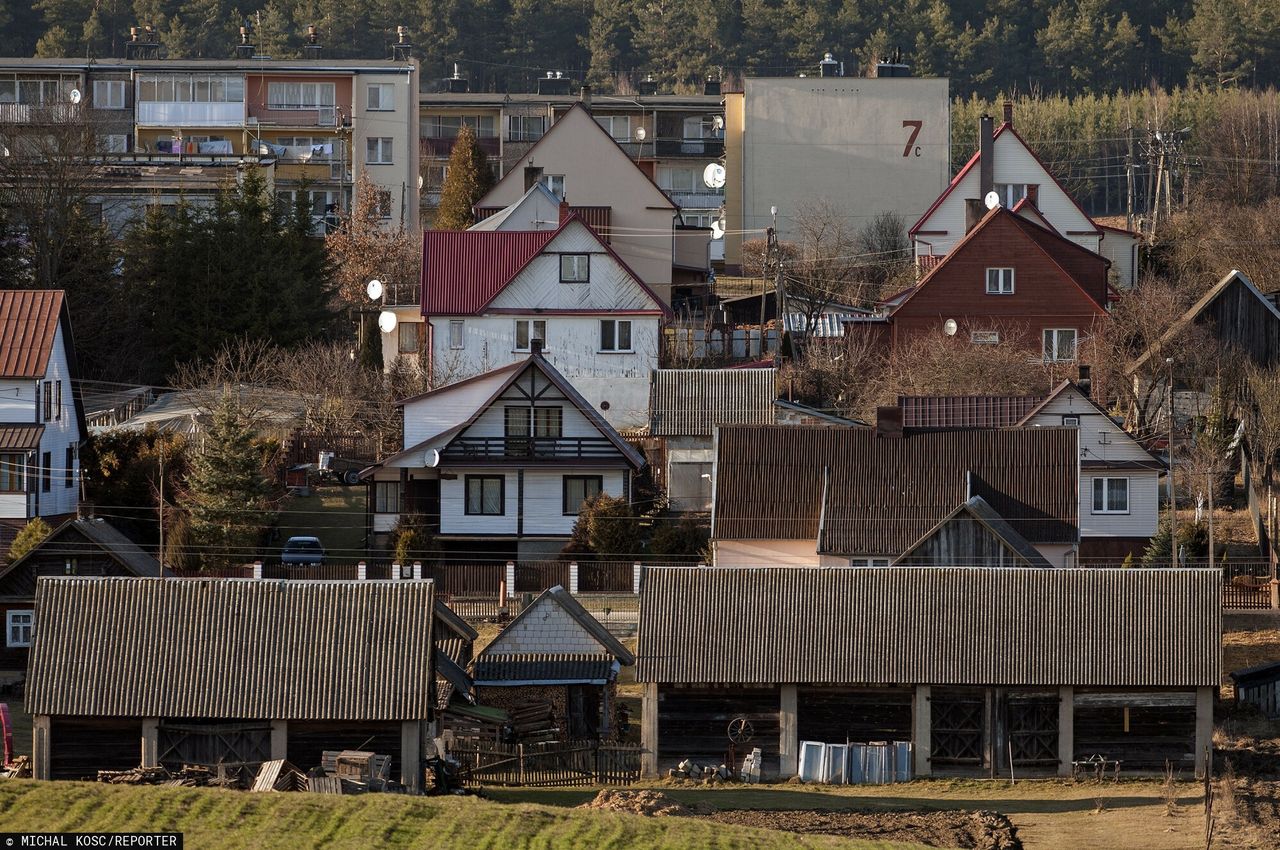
<point>544,498</point>
<point>543,501</point>
<point>1122,251</point>
<point>1101,439</point>
<point>18,401</point>
<point>441,411</point>
<point>453,499</point>
<point>766,553</point>
<point>59,433</point>
<point>492,423</point>
<point>1144,505</point>
<point>13,506</point>
<point>545,628</point>
<point>1058,554</point>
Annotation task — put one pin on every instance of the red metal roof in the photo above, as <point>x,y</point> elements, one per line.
<point>463,270</point>
<point>16,437</point>
<point>28,325</point>
<point>965,411</point>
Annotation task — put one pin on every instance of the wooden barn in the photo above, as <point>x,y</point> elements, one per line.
<point>228,671</point>
<point>979,668</point>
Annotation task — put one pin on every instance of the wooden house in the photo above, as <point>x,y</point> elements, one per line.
<point>237,671</point>
<point>557,666</point>
<point>985,671</point>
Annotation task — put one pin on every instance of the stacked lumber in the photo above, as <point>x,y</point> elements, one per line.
<point>19,768</point>
<point>279,775</point>
<point>533,722</point>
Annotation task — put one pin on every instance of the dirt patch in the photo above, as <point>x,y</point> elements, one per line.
<point>650,803</point>
<point>981,830</point>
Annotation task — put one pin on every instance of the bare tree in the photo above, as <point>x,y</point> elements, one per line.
<point>365,247</point>
<point>1261,412</point>
<point>826,270</point>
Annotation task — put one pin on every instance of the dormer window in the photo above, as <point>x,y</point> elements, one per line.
<point>1000,281</point>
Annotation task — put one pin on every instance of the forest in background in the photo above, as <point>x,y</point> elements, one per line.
<point>984,46</point>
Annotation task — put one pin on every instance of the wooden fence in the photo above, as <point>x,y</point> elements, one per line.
<point>551,764</point>
<point>537,576</point>
<point>1246,584</point>
<point>605,576</point>
<point>469,579</point>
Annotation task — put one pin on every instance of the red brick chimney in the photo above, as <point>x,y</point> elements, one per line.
<point>565,211</point>
<point>1008,112</point>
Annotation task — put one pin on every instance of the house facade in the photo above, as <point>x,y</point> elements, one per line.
<point>41,415</point>
<point>501,463</point>
<point>1005,164</point>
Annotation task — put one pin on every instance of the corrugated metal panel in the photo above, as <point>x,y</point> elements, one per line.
<point>232,648</point>
<point>463,270</point>
<point>18,437</point>
<point>28,325</point>
<point>965,411</point>
<point>884,494</point>
<point>940,626</point>
<point>691,402</point>
<point>549,667</point>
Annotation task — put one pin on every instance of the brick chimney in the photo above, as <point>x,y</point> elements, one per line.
<point>1008,112</point>
<point>532,176</point>
<point>584,95</point>
<point>565,211</point>
<point>1085,381</point>
<point>889,423</point>
<point>986,162</point>
<point>535,346</point>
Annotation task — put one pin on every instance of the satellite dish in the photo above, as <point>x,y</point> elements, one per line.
<point>420,181</point>
<point>713,175</point>
<point>433,458</point>
<point>717,229</point>
<point>949,327</point>
<point>640,134</point>
<point>75,95</point>
<point>387,321</point>
<point>718,122</point>
<point>374,289</point>
<point>992,200</point>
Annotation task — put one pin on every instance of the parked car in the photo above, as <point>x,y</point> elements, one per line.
<point>302,551</point>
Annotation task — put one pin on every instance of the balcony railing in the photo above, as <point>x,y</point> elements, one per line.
<point>529,448</point>
<point>37,113</point>
<point>401,295</point>
<point>287,115</point>
<point>190,114</point>
<point>441,146</point>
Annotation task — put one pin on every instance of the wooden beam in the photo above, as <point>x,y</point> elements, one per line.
<point>279,739</point>
<point>1204,729</point>
<point>411,755</point>
<point>150,742</point>
<point>788,732</point>
<point>1066,729</point>
<point>649,731</point>
<point>922,730</point>
<point>40,746</point>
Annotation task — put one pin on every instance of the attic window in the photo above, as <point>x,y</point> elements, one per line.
<point>1010,193</point>
<point>1000,281</point>
<point>575,268</point>
<point>555,182</point>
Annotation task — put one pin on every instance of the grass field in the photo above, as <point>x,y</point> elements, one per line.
<point>211,818</point>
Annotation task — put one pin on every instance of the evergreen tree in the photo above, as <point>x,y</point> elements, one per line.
<point>469,178</point>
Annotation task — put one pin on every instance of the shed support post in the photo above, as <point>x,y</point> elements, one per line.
<point>636,571</point>
<point>1066,729</point>
<point>922,730</point>
<point>511,580</point>
<point>649,731</point>
<point>573,578</point>
<point>279,739</point>
<point>1204,730</point>
<point>150,742</point>
<point>40,744</point>
<point>411,755</point>
<point>788,732</point>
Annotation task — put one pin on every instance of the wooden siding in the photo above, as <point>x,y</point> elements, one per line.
<point>964,542</point>
<point>1242,320</point>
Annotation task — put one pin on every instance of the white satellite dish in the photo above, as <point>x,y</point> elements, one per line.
<point>718,122</point>
<point>992,200</point>
<point>713,175</point>
<point>75,95</point>
<point>641,133</point>
<point>949,327</point>
<point>387,321</point>
<point>420,181</point>
<point>433,458</point>
<point>717,229</point>
<point>374,289</point>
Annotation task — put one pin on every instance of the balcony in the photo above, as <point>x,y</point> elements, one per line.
<point>188,114</point>
<point>38,113</point>
<point>505,449</point>
<point>401,295</point>
<point>439,147</point>
<point>289,115</point>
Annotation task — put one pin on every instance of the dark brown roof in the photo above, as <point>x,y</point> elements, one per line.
<point>965,411</point>
<point>939,626</point>
<point>511,669</point>
<point>881,495</point>
<point>19,437</point>
<point>28,324</point>
<point>692,402</point>
<point>86,540</point>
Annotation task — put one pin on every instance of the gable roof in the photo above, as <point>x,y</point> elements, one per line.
<point>559,596</point>
<point>557,125</point>
<point>233,648</point>
<point>692,402</point>
<point>29,320</point>
<point>977,510</point>
<point>1030,210</point>
<point>930,625</point>
<point>965,411</point>
<point>79,538</point>
<point>856,493</point>
<point>538,193</point>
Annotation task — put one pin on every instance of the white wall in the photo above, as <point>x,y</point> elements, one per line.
<point>1144,505</point>
<point>543,501</point>
<point>545,628</point>
<point>1100,438</point>
<point>1058,554</point>
<point>400,178</point>
<point>766,553</point>
<point>59,433</point>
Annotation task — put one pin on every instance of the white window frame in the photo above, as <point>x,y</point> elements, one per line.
<point>533,329</point>
<point>1105,492</point>
<point>378,150</point>
<point>554,182</point>
<point>386,497</point>
<point>610,336</point>
<point>984,337</point>
<point>301,95</point>
<point>868,561</point>
<point>1071,421</point>
<point>385,92</point>
<point>457,331</point>
<point>1002,282</point>
<point>115,142</point>
<point>19,627</point>
<point>1052,344</point>
<point>108,94</point>
<point>575,268</point>
<point>609,123</point>
<point>518,128</point>
<point>1010,193</point>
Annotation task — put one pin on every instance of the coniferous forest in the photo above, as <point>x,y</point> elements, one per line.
<point>984,46</point>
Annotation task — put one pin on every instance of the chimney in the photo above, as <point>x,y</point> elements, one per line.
<point>565,211</point>
<point>535,346</point>
<point>244,50</point>
<point>311,50</point>
<point>647,86</point>
<point>402,50</point>
<point>1033,195</point>
<point>584,95</point>
<point>1085,381</point>
<point>1008,112</point>
<point>532,176</point>
<point>986,162</point>
<point>974,210</point>
<point>457,84</point>
<point>889,423</point>
<point>711,86</point>
<point>142,43</point>
<point>828,67</point>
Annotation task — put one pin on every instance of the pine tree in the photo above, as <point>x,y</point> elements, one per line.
<point>468,180</point>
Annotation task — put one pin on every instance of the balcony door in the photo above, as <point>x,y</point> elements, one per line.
<point>533,431</point>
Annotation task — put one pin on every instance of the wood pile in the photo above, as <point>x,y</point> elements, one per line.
<point>190,776</point>
<point>279,775</point>
<point>707,773</point>
<point>19,768</point>
<point>533,722</point>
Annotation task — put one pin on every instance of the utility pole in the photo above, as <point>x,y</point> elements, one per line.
<point>1173,498</point>
<point>1129,166</point>
<point>161,558</point>
<point>770,239</point>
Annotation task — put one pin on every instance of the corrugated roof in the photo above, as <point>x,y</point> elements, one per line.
<point>965,411</point>
<point>28,326</point>
<point>543,667</point>
<point>233,648</point>
<point>81,538</point>
<point>977,510</point>
<point>462,270</point>
<point>580,615</point>
<point>692,402</point>
<point>19,437</point>
<point>940,626</point>
<point>882,494</point>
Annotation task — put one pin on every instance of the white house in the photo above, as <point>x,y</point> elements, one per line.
<point>499,464</point>
<point>1006,165</point>
<point>488,294</point>
<point>41,417</point>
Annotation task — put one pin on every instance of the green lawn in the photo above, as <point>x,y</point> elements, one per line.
<point>211,818</point>
<point>334,514</point>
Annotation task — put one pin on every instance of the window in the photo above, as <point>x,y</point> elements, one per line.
<point>868,562</point>
<point>301,95</point>
<point>377,150</point>
<point>108,94</point>
<point>12,473</point>
<point>69,472</point>
<point>47,398</point>
<point>485,495</point>
<point>114,143</point>
<point>456,328</point>
<point>1059,345</point>
<point>999,281</point>
<point>18,627</point>
<point>1071,421</point>
<point>408,337</point>
<point>575,268</point>
<point>1010,193</point>
<point>1111,495</point>
<point>448,126</point>
<point>198,88</point>
<point>57,400</point>
<point>985,337</point>
<point>529,329</point>
<point>526,128</point>
<point>555,182</point>
<point>617,126</point>
<point>382,97</point>
<point>679,179</point>
<point>384,203</point>
<point>579,489</point>
<point>615,335</point>
<point>547,421</point>
<point>46,471</point>
<point>386,497</point>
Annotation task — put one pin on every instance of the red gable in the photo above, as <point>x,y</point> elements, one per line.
<point>28,322</point>
<point>463,270</point>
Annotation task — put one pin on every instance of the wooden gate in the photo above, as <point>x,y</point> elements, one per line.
<point>1033,730</point>
<point>212,745</point>
<point>957,729</point>
<point>547,765</point>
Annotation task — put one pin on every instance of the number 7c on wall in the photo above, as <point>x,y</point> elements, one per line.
<point>911,140</point>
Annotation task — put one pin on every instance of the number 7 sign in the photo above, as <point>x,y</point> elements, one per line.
<point>911,140</point>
